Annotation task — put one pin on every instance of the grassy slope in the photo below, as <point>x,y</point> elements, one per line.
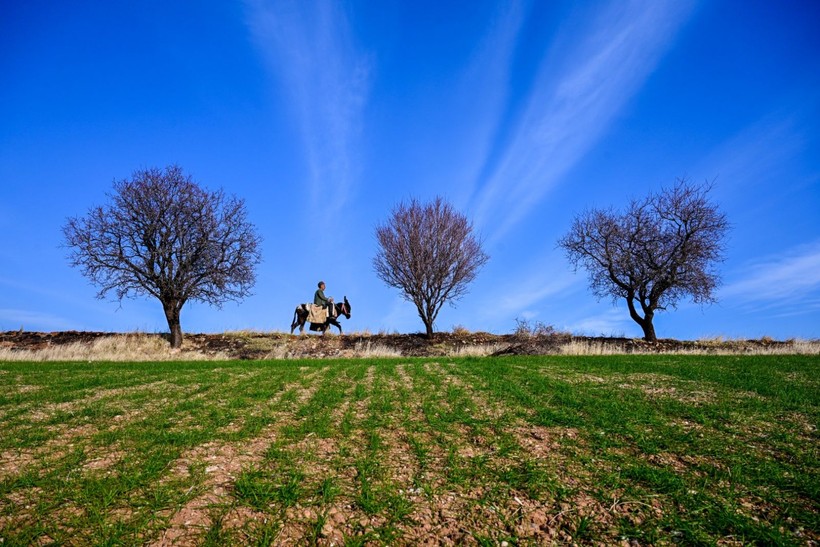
<point>692,449</point>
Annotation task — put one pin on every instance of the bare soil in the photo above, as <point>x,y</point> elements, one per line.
<point>252,345</point>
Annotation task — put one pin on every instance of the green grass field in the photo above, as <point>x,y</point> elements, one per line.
<point>482,451</point>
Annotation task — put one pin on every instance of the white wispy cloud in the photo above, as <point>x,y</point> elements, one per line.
<point>786,278</point>
<point>609,322</point>
<point>488,71</point>
<point>756,153</point>
<point>45,291</point>
<point>754,169</point>
<point>544,287</point>
<point>309,46</point>
<point>570,108</point>
<point>398,315</point>
<point>32,320</point>
<point>536,284</point>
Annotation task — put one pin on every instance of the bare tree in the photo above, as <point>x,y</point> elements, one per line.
<point>429,253</point>
<point>661,249</point>
<point>164,236</point>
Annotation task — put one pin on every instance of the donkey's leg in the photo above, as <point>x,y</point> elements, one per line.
<point>336,323</point>
<point>301,318</point>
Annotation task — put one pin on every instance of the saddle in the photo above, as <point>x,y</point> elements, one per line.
<point>318,314</point>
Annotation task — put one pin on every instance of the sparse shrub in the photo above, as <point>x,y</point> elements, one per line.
<point>525,329</point>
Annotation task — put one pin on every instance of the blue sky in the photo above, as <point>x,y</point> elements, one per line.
<point>323,115</point>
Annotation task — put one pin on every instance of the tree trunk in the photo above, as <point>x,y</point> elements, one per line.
<point>172,310</point>
<point>649,330</point>
<point>644,322</point>
<point>648,326</point>
<point>428,321</point>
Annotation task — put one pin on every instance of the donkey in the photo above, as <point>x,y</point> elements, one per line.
<point>301,314</point>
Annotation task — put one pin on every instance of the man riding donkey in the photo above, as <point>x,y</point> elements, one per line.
<point>325,305</point>
<point>321,314</point>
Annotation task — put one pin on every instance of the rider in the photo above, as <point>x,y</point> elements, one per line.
<point>320,300</point>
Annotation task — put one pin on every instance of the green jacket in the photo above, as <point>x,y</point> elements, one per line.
<point>319,298</point>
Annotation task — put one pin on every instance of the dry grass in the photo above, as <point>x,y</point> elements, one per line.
<point>121,347</point>
<point>278,353</point>
<point>790,347</point>
<point>478,350</point>
<point>712,346</point>
<point>805,347</point>
<point>243,333</point>
<point>586,347</point>
<point>368,349</point>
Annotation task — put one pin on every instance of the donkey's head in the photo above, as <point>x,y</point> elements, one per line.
<point>344,308</point>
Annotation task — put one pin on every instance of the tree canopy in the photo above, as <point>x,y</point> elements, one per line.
<point>661,249</point>
<point>163,235</point>
<point>428,252</point>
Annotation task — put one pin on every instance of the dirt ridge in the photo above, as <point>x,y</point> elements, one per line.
<point>260,345</point>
